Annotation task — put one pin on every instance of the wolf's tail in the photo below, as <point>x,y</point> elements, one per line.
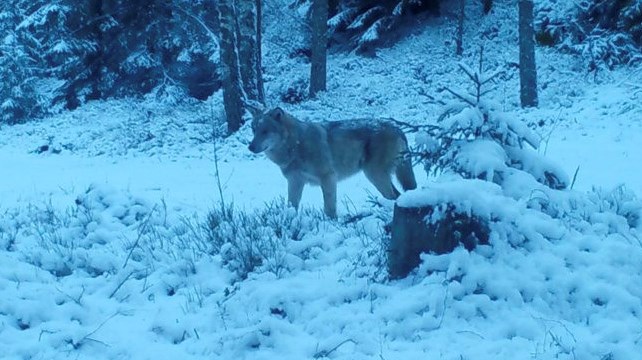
<point>403,169</point>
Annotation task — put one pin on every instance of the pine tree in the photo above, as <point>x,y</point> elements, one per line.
<point>19,98</point>
<point>477,141</point>
<point>31,34</point>
<point>606,33</point>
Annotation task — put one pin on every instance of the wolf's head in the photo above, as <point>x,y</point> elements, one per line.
<point>269,130</point>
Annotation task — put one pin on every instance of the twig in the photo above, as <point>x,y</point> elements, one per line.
<point>492,77</point>
<point>217,173</point>
<point>141,231</point>
<point>550,133</point>
<point>76,300</point>
<point>120,284</point>
<point>431,99</point>
<point>145,281</point>
<point>412,127</point>
<point>471,332</point>
<point>209,31</point>
<point>460,97</point>
<point>87,337</point>
<point>326,353</point>
<point>356,217</point>
<point>478,82</point>
<point>443,311</point>
<point>574,177</point>
<point>559,323</point>
<point>45,332</point>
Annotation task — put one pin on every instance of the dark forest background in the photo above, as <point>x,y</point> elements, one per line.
<point>58,54</point>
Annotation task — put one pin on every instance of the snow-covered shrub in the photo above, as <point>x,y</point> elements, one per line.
<point>621,201</point>
<point>76,237</point>
<point>477,141</point>
<point>604,33</point>
<point>10,227</point>
<point>487,165</point>
<point>372,230</point>
<point>507,219</point>
<point>250,240</point>
<point>61,236</point>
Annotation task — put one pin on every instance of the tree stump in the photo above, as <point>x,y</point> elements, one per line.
<point>412,235</point>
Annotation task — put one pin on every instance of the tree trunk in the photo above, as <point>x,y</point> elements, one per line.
<point>319,44</point>
<point>460,28</point>
<point>249,47</point>
<point>488,5</point>
<point>95,60</point>
<point>527,69</point>
<point>259,51</point>
<point>412,235</point>
<point>233,95</point>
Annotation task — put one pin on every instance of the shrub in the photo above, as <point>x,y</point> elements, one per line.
<point>247,241</point>
<point>476,141</point>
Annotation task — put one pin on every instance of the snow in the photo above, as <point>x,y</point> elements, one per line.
<point>482,157</point>
<point>102,256</point>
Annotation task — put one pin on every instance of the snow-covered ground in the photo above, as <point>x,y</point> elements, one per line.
<point>102,257</point>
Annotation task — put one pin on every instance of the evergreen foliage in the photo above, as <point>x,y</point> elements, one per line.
<point>605,32</point>
<point>98,49</point>
<point>477,141</point>
<point>365,24</point>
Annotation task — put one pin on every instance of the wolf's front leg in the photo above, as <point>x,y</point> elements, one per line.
<point>295,190</point>
<point>329,188</point>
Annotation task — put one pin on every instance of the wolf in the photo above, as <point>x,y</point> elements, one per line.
<point>327,152</point>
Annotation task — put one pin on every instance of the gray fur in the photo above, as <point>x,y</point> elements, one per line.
<point>325,153</point>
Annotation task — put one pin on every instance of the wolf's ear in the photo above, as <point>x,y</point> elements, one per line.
<point>278,114</point>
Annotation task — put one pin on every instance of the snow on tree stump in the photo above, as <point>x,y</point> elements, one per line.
<point>433,227</point>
